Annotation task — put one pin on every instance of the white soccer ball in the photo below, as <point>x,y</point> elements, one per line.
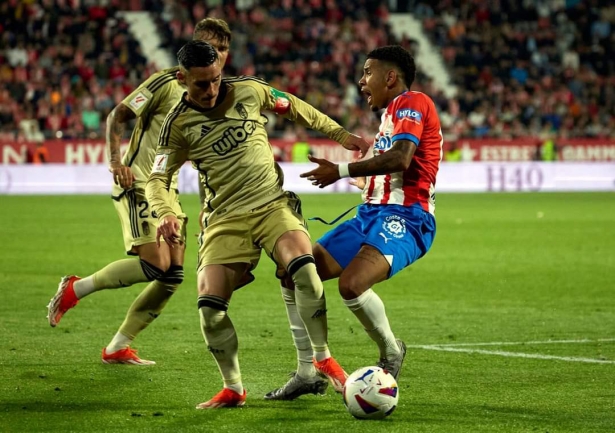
<point>370,393</point>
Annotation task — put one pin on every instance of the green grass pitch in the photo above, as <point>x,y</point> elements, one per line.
<point>504,268</point>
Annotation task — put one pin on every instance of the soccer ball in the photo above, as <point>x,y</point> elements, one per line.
<point>370,393</point>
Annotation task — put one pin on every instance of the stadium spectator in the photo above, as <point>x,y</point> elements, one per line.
<point>453,153</point>
<point>301,147</point>
<point>66,62</point>
<point>41,154</point>
<point>519,65</point>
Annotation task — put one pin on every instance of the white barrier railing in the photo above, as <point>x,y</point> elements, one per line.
<point>453,177</point>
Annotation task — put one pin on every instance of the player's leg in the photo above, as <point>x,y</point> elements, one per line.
<point>280,231</point>
<point>306,379</point>
<point>215,288</point>
<point>226,252</point>
<point>146,308</point>
<point>150,302</point>
<point>301,340</point>
<point>397,236</point>
<point>136,226</point>
<point>293,249</point>
<point>369,267</point>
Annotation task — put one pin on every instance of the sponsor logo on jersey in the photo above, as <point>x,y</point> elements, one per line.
<point>160,164</point>
<point>395,226</point>
<point>241,110</point>
<point>233,137</point>
<point>282,103</point>
<point>409,113</point>
<point>205,130</point>
<point>138,101</point>
<point>382,142</point>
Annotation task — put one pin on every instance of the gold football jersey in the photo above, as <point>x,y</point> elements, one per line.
<point>151,102</point>
<point>228,145</point>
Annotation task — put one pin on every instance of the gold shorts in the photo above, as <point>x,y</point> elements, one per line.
<point>239,238</point>
<point>138,221</point>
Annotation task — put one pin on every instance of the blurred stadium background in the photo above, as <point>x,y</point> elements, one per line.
<point>530,80</point>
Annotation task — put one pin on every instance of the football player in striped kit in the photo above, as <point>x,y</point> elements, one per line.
<point>395,225</point>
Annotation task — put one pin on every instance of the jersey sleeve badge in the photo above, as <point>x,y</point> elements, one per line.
<point>138,101</point>
<point>160,164</point>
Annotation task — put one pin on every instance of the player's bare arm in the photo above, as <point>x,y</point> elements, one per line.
<point>398,158</point>
<point>116,126</point>
<point>357,144</point>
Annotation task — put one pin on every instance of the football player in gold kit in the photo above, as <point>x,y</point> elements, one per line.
<point>219,127</point>
<point>161,267</point>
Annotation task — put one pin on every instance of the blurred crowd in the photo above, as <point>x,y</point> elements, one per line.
<point>526,68</point>
<point>63,66</point>
<point>521,67</point>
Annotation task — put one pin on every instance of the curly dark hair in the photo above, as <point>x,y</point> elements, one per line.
<point>196,54</point>
<point>398,57</point>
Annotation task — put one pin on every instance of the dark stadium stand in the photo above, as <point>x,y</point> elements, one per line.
<point>522,68</point>
<point>527,67</point>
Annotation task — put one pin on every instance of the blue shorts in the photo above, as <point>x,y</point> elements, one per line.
<point>403,234</point>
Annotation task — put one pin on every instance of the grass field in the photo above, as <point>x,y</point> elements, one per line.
<point>504,319</point>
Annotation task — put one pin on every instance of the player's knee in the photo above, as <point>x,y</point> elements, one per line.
<point>302,271</point>
<point>350,286</point>
<point>163,262</point>
<point>151,271</point>
<point>213,310</point>
<point>174,276</point>
<point>155,256</point>
<point>287,283</point>
<point>289,297</point>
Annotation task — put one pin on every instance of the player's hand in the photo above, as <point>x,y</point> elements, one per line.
<point>359,182</point>
<point>354,142</point>
<point>168,228</point>
<point>122,175</point>
<point>325,174</point>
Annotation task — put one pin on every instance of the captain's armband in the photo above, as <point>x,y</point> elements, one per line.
<point>281,102</point>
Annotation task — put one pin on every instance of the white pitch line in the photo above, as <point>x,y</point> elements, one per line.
<point>515,354</point>
<point>516,343</point>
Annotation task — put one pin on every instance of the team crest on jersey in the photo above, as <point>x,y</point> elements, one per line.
<point>205,130</point>
<point>395,226</point>
<point>409,113</point>
<point>241,110</point>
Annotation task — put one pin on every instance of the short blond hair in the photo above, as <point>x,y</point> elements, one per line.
<point>212,28</point>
